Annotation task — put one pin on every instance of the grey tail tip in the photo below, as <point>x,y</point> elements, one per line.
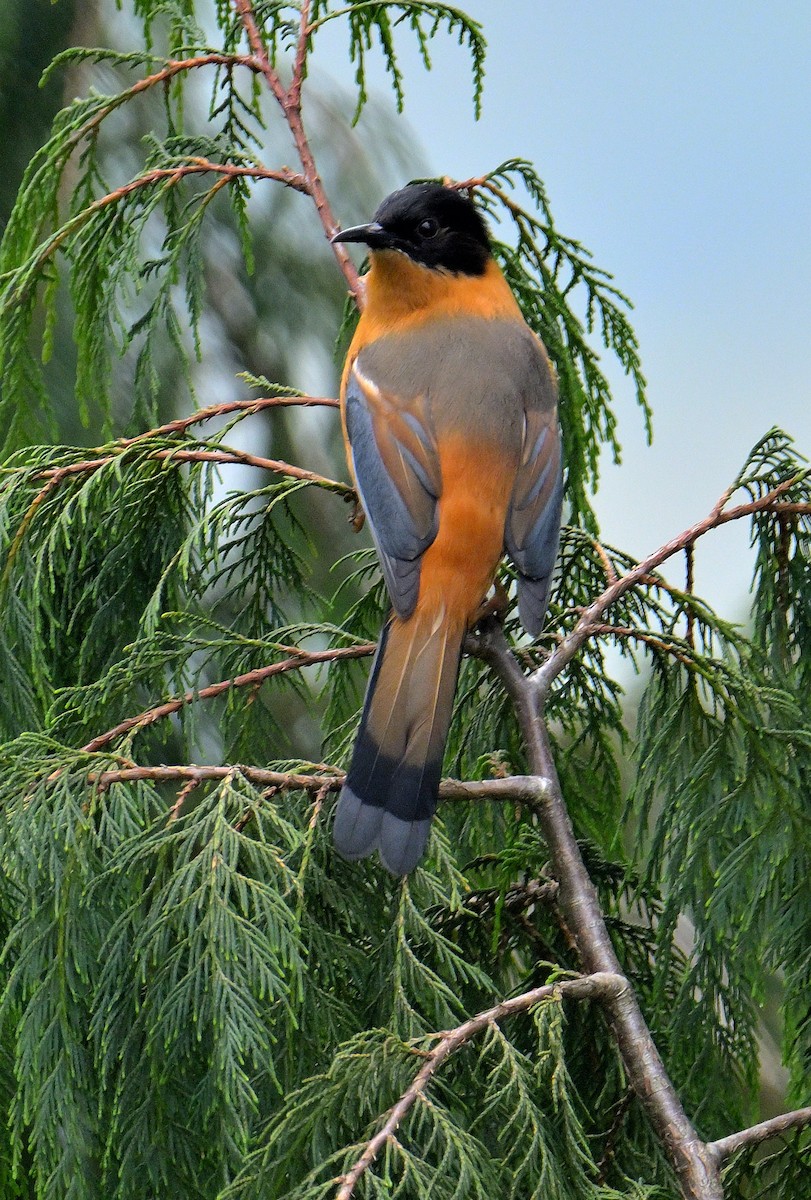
<point>361,828</point>
<point>402,843</point>
<point>356,830</point>
<point>533,600</point>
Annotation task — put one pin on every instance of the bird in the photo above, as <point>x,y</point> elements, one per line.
<point>450,421</point>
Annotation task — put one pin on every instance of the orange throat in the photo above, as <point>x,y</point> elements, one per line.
<point>400,292</point>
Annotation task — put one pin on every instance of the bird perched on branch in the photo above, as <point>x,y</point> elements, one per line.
<point>449,408</point>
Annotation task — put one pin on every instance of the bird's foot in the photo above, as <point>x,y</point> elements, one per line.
<point>357,517</point>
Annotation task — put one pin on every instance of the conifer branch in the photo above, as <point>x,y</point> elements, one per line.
<point>599,985</point>
<point>689,582</point>
<point>695,1167</point>
<point>55,475</point>
<point>301,658</point>
<point>516,789</point>
<point>280,467</point>
<point>299,63</point>
<point>168,177</point>
<point>725,1147</point>
<point>608,566</point>
<point>286,781</point>
<point>247,16</point>
<point>208,928</point>
<point>289,100</point>
<point>518,896</point>
<point>543,677</point>
<point>181,798</point>
<point>171,68</point>
<point>640,635</point>
<point>247,407</point>
<point>213,411</point>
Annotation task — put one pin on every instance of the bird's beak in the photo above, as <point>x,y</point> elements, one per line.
<point>373,235</point>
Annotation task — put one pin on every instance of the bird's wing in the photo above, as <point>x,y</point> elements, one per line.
<point>533,520</point>
<point>398,477</point>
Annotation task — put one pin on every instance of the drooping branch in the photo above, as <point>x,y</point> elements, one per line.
<point>289,100</point>
<point>54,476</point>
<point>171,68</point>
<point>299,659</point>
<point>213,411</point>
<point>689,586</point>
<point>159,176</point>
<point>225,457</point>
<point>598,985</point>
<point>662,644</point>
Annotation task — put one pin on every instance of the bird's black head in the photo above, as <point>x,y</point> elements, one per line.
<point>434,225</point>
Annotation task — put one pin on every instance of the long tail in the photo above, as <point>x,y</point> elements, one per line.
<point>390,794</point>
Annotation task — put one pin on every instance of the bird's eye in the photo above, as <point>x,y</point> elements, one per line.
<point>428,228</point>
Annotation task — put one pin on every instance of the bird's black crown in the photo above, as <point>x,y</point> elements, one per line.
<point>434,225</point>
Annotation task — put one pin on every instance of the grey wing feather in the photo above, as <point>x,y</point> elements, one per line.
<point>398,477</point>
<point>533,521</point>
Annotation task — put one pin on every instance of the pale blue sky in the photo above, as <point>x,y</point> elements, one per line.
<point>675,142</point>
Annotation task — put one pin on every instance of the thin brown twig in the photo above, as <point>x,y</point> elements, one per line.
<point>250,811</point>
<point>487,185</point>
<point>723,499</point>
<point>275,781</point>
<point>169,176</point>
<point>247,407</point>
<point>246,14</point>
<point>253,460</point>
<point>289,100</point>
<point>640,635</point>
<point>171,68</point>
<point>302,658</point>
<point>465,185</point>
<point>566,650</point>
<point>608,567</point>
<point>521,217</point>
<point>597,986</point>
<point>517,789</point>
<point>182,796</point>
<point>56,475</point>
<point>309,837</point>
<point>299,62</point>
<point>23,526</point>
<point>725,1147</point>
